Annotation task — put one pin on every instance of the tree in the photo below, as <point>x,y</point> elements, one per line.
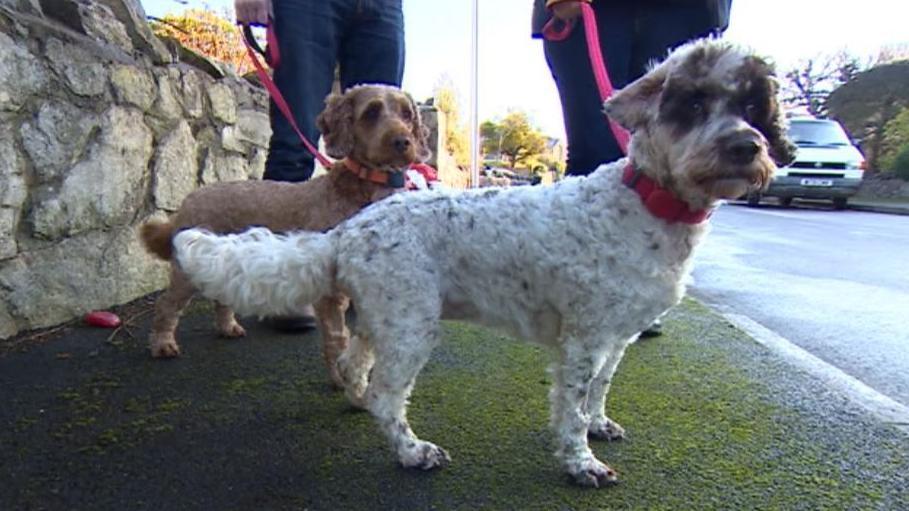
<point>866,104</point>
<point>206,32</point>
<point>892,53</point>
<point>810,83</point>
<point>446,100</point>
<point>513,139</point>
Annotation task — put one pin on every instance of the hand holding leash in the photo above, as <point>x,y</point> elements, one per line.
<point>557,29</point>
<point>567,11</point>
<point>253,12</point>
<point>273,58</point>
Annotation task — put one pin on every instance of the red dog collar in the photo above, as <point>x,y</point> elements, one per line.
<point>659,201</point>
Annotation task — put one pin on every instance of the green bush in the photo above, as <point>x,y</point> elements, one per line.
<point>900,163</point>
<point>895,141</point>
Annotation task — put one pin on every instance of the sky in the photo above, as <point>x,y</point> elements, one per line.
<point>513,73</point>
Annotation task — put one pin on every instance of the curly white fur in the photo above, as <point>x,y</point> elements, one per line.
<point>254,274</point>
<point>580,266</point>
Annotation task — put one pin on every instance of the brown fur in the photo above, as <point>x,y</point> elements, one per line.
<point>389,137</point>
<point>157,236</point>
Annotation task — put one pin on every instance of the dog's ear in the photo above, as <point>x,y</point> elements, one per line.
<point>782,150</point>
<point>420,132</point>
<point>763,107</point>
<point>336,124</point>
<point>638,102</point>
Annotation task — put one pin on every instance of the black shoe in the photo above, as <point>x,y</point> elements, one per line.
<point>654,330</point>
<point>291,324</point>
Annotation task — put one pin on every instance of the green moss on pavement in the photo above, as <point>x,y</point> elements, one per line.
<point>713,422</point>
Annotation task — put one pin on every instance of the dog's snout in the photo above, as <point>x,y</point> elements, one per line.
<point>402,144</point>
<point>742,150</point>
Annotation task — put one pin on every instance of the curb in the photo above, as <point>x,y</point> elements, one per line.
<point>879,405</point>
<point>890,210</point>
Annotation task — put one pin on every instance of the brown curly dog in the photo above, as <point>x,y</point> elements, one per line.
<point>373,130</point>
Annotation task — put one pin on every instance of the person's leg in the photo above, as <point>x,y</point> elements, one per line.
<point>308,33</point>
<point>590,141</point>
<point>372,48</point>
<point>661,28</point>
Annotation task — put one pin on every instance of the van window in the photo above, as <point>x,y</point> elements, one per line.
<point>817,133</point>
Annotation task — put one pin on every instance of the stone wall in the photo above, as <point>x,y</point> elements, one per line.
<point>103,125</point>
<point>100,128</point>
<point>884,186</point>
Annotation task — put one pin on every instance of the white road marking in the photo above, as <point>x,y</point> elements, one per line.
<point>878,405</point>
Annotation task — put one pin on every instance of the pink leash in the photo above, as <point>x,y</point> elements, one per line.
<point>273,58</point>
<point>597,63</point>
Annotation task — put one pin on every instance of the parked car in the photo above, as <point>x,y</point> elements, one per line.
<point>827,165</point>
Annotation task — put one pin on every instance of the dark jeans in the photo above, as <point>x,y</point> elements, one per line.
<point>631,36</point>
<point>364,37</point>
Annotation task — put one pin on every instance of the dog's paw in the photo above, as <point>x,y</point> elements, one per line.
<point>592,472</point>
<point>337,382</point>
<point>232,330</point>
<point>356,400</point>
<point>353,377</point>
<point>164,346</point>
<point>423,455</point>
<point>604,428</point>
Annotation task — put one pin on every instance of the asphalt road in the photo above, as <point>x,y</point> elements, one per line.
<point>835,283</point>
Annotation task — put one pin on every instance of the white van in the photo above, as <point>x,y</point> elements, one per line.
<point>827,165</point>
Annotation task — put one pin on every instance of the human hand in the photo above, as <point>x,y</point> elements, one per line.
<point>252,12</point>
<point>565,11</point>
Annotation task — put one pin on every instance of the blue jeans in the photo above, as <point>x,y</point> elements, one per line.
<point>364,37</point>
<point>630,37</point>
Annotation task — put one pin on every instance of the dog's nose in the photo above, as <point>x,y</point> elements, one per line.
<point>402,144</point>
<point>743,150</point>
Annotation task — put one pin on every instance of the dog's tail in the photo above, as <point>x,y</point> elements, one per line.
<point>157,235</point>
<point>258,272</point>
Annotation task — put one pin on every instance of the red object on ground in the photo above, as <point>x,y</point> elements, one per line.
<point>102,319</point>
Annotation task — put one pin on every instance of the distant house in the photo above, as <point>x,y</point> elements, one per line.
<point>555,149</point>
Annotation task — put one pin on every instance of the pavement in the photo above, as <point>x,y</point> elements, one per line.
<point>714,421</point>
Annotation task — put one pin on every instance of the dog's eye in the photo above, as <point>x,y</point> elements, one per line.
<point>372,113</point>
<point>406,114</point>
<point>750,110</point>
<point>697,106</point>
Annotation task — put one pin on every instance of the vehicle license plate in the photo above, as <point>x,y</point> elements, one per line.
<point>816,182</point>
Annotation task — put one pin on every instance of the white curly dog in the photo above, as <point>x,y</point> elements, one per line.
<point>581,266</point>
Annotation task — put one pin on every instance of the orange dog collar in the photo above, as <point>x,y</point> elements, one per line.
<point>394,179</point>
